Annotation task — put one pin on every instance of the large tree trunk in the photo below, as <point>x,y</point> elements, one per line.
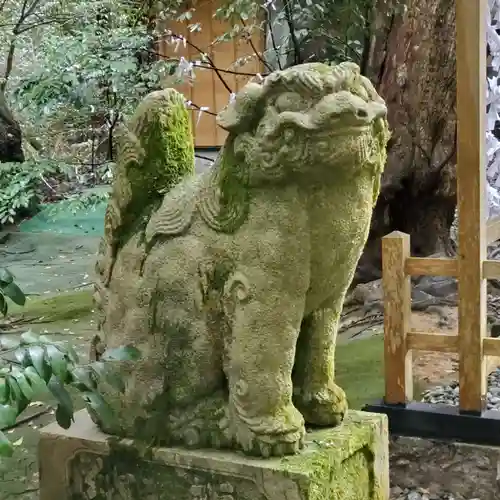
<point>411,60</point>
<point>10,135</point>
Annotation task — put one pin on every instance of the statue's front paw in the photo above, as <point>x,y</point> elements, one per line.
<point>267,436</point>
<point>326,406</point>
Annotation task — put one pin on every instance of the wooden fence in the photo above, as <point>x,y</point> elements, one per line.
<point>471,266</point>
<point>400,341</point>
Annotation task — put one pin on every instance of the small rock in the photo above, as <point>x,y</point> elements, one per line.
<point>414,496</point>
<point>495,330</point>
<point>438,286</point>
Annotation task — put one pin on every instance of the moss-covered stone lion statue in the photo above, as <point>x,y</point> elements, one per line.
<point>231,283</point>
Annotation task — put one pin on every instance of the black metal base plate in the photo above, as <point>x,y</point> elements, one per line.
<point>440,422</point>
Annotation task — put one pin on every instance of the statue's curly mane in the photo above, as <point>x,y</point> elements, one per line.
<point>259,146</point>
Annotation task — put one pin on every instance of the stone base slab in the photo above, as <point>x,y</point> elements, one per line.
<point>465,471</point>
<point>346,463</point>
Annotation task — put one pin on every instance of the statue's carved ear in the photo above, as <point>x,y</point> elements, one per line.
<point>239,114</point>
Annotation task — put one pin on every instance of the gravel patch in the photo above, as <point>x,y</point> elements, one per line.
<point>448,394</point>
<point>398,493</point>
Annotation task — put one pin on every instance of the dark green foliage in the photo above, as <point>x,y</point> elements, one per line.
<point>43,365</point>
<point>9,290</point>
<point>35,364</point>
<point>22,187</point>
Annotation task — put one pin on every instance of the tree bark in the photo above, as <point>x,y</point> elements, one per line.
<point>10,135</point>
<point>410,58</point>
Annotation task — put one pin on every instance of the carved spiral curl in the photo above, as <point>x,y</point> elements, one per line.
<point>224,199</point>
<point>176,212</point>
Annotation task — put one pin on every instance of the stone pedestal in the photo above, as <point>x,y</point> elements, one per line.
<point>346,463</point>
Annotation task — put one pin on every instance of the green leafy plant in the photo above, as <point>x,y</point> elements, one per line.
<point>9,290</point>
<point>35,364</point>
<point>77,202</point>
<point>40,365</point>
<point>22,187</point>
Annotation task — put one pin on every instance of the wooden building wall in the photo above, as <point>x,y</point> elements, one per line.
<point>207,89</point>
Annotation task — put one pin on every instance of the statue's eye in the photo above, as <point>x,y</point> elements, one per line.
<point>289,101</point>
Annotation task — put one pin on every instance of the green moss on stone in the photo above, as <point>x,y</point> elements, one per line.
<point>163,126</point>
<point>156,152</point>
<point>339,464</point>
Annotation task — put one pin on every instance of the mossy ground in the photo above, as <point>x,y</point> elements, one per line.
<point>360,371</point>
<point>64,307</point>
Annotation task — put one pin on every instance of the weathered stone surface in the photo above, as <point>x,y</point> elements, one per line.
<point>464,470</point>
<point>349,462</point>
<point>232,283</point>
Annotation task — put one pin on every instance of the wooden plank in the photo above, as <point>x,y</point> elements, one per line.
<point>492,363</point>
<point>224,55</point>
<point>491,346</point>
<point>436,342</point>
<point>397,311</point>
<point>493,230</point>
<point>422,266</point>
<point>471,20</point>
<point>491,269</point>
<point>207,89</point>
<point>491,349</point>
<point>206,81</point>
<point>172,48</point>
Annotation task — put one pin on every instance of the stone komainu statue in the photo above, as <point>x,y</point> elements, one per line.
<point>231,282</point>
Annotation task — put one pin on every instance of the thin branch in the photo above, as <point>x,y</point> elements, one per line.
<point>293,36</point>
<point>199,108</point>
<point>366,38</point>
<point>228,71</point>
<point>8,65</point>
<point>28,418</point>
<point>44,180</point>
<point>31,9</point>
<point>33,25</point>
<point>201,157</point>
<point>22,16</point>
<point>209,59</point>
<point>250,41</point>
<point>341,41</point>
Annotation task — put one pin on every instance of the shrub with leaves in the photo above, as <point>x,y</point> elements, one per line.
<point>84,91</point>
<point>9,290</point>
<point>23,187</point>
<point>35,364</point>
<point>74,203</point>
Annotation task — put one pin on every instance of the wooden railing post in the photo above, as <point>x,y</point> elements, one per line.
<point>397,310</point>
<point>471,20</point>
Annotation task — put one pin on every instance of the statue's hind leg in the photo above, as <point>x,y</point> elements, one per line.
<point>317,396</point>
<point>266,320</point>
<point>188,352</point>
